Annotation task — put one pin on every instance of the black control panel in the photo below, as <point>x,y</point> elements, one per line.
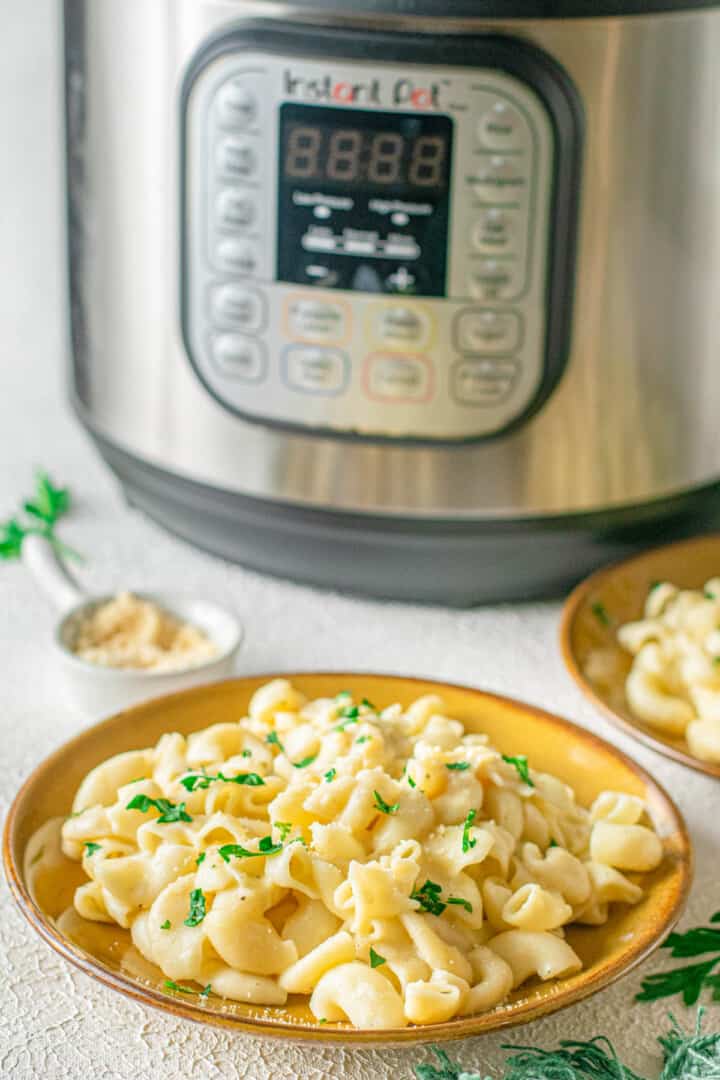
<point>363,199</point>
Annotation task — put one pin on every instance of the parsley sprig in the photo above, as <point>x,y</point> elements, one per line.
<point>376,960</point>
<point>169,811</point>
<point>429,899</point>
<point>468,841</point>
<point>202,781</point>
<point>197,908</point>
<point>91,847</point>
<point>383,807</point>
<point>266,846</point>
<point>691,980</point>
<point>521,766</point>
<point>44,509</point>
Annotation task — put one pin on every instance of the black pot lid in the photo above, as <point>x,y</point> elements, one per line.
<point>505,9</point>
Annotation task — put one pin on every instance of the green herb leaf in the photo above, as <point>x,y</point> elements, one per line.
<point>305,762</point>
<point>246,753</point>
<point>237,851</point>
<point>429,898</point>
<point>521,766</point>
<point>343,695</point>
<point>322,1020</point>
<point>330,775</point>
<point>44,510</point>
<point>553,842</point>
<point>201,858</point>
<point>178,989</point>
<point>91,847</point>
<point>461,902</point>
<point>600,612</point>
<point>197,908</point>
<point>457,766</point>
<point>368,704</point>
<point>350,715</point>
<point>467,840</point>
<point>410,781</point>
<point>709,595</point>
<point>283,827</point>
<point>654,585</point>
<point>274,740</point>
<point>376,959</point>
<point>384,807</point>
<point>203,781</point>
<point>169,812</point>
<point>362,738</point>
<point>165,925</point>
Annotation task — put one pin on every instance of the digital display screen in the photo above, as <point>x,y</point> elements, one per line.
<point>364,199</point>
<point>356,156</point>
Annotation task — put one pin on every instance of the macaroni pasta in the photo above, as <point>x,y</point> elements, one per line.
<point>386,863</point>
<point>674,681</point>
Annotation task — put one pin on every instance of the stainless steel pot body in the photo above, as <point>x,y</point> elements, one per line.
<point>634,418</point>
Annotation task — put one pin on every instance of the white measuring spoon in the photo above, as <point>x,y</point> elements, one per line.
<point>104,689</point>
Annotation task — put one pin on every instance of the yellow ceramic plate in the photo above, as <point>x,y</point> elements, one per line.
<point>621,590</point>
<point>553,745</point>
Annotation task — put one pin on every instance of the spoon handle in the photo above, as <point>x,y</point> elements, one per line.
<point>51,574</point>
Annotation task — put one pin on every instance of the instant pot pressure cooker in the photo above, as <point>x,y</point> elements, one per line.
<point>407,297</point>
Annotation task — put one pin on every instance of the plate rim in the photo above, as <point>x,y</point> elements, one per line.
<point>447,1031</point>
<point>568,615</point>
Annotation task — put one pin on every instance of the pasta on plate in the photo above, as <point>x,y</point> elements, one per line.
<point>387,864</point>
<point>674,681</point>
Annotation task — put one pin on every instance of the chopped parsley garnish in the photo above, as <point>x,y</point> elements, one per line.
<point>169,812</point>
<point>410,781</point>
<point>429,898</point>
<point>305,762</point>
<point>330,775</point>
<point>343,695</point>
<point>200,858</point>
<point>376,959</point>
<point>709,595</point>
<point>553,842</point>
<point>283,827</point>
<point>170,985</point>
<point>165,925</point>
<point>266,846</point>
<point>350,715</point>
<point>457,766</point>
<point>246,753</point>
<point>274,740</point>
<point>322,1020</point>
<point>197,908</point>
<point>461,902</point>
<point>362,739</point>
<point>521,765</point>
<point>467,840</point>
<point>600,612</point>
<point>654,585</point>
<point>383,807</point>
<point>91,848</point>
<point>368,704</point>
<point>203,781</point>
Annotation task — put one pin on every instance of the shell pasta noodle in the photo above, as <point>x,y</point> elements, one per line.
<point>674,681</point>
<point>386,864</point>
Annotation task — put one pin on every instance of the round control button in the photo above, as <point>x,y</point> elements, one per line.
<point>238,255</point>
<point>499,180</point>
<point>235,210</point>
<point>501,127</point>
<point>235,157</point>
<point>492,279</point>
<point>239,357</point>
<point>236,104</point>
<point>482,382</point>
<point>236,307</point>
<point>487,331</point>
<point>494,230</point>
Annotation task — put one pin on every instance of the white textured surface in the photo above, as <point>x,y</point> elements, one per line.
<point>55,1022</point>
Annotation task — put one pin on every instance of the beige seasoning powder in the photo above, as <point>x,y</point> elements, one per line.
<point>128,632</point>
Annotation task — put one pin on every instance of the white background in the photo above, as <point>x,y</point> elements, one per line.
<point>55,1022</point>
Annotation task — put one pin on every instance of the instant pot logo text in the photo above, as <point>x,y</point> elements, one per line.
<point>404,92</point>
